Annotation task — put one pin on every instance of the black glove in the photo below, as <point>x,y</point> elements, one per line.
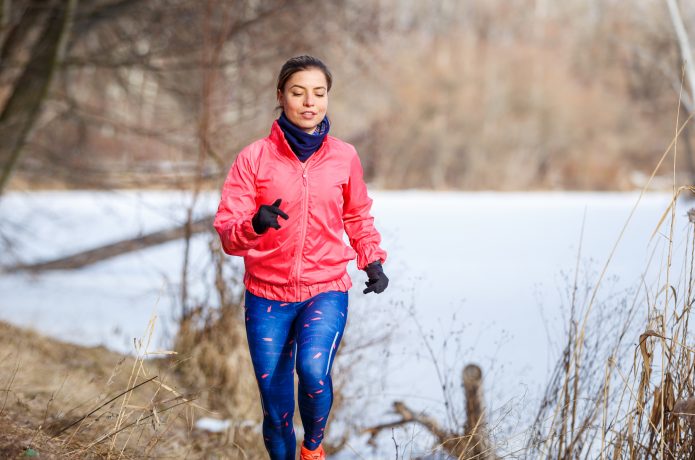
<point>377,279</point>
<point>267,216</point>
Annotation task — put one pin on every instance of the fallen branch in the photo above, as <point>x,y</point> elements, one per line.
<point>91,256</point>
<point>473,443</point>
<point>409,416</point>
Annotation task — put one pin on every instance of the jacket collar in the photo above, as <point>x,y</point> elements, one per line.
<point>277,137</point>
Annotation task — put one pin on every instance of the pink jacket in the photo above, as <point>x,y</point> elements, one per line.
<point>323,197</point>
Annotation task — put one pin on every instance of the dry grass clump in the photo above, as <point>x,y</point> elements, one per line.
<point>214,361</point>
<point>68,401</point>
<point>612,399</point>
<point>47,385</point>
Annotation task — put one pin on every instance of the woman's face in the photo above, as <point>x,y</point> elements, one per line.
<point>305,98</point>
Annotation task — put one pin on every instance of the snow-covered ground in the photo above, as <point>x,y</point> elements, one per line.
<point>475,278</point>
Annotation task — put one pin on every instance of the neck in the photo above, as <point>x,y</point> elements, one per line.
<point>302,141</point>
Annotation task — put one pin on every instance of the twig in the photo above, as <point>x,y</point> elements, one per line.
<point>102,405</point>
<point>48,407</point>
<point>113,433</point>
<point>393,436</point>
<point>9,386</point>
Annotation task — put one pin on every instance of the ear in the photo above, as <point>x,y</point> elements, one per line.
<point>281,99</point>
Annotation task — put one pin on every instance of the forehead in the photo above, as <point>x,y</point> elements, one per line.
<point>309,78</point>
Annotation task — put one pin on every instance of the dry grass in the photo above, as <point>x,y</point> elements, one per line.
<point>214,360</point>
<point>610,399</point>
<point>624,389</point>
<point>47,387</point>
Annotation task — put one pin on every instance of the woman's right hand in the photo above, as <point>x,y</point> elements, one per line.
<point>267,216</point>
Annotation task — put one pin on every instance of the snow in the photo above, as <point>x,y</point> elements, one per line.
<point>476,277</point>
<point>212,425</point>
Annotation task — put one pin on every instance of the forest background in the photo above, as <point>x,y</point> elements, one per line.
<point>495,95</point>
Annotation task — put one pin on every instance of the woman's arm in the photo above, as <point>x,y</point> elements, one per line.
<point>237,208</point>
<point>358,222</point>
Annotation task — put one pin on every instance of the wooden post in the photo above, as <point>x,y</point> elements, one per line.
<point>475,432</point>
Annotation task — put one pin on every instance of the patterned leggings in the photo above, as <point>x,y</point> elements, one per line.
<point>278,333</point>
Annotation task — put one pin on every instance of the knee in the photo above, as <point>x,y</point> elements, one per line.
<point>276,389</point>
<point>311,372</point>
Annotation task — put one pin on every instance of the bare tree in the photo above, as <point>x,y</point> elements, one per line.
<point>686,53</point>
<point>22,108</point>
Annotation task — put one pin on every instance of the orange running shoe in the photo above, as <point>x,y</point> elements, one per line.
<point>316,454</point>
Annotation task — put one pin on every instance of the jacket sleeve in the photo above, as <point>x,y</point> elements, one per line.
<point>359,224</point>
<point>237,207</point>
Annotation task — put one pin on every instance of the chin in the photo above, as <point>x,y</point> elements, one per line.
<point>304,124</point>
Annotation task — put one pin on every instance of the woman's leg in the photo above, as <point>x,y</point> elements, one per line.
<point>320,326</point>
<point>270,334</point>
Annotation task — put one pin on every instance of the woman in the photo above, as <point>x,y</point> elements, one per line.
<point>285,204</point>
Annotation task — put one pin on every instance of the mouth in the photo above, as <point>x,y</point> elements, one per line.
<point>308,115</point>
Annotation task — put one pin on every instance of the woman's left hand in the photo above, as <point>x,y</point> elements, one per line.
<point>378,281</point>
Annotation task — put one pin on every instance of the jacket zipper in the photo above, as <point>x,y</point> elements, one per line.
<point>305,218</point>
<point>305,213</point>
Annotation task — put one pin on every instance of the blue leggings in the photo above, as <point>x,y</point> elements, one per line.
<point>278,333</point>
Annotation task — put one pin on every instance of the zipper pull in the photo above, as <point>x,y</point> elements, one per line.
<point>304,178</point>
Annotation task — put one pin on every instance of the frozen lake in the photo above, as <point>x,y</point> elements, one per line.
<point>475,278</point>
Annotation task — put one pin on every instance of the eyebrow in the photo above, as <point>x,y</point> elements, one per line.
<point>299,86</point>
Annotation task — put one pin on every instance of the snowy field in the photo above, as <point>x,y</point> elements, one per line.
<point>475,278</point>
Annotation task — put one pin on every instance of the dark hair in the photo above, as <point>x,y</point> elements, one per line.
<point>299,63</point>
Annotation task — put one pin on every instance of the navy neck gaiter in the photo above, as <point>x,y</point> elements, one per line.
<point>302,143</point>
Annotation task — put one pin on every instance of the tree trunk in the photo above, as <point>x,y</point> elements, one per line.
<point>14,36</point>
<point>23,106</point>
<point>683,44</point>
<point>5,11</point>
<point>687,59</point>
<point>689,155</point>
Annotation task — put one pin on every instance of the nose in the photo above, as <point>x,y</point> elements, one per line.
<point>309,100</point>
